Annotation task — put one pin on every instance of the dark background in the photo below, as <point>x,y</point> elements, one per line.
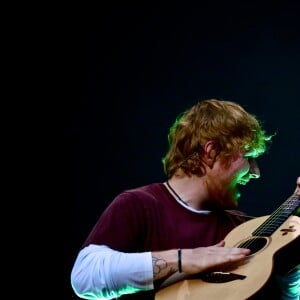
<point>133,72</point>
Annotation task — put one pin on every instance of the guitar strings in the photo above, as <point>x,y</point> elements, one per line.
<point>272,219</point>
<point>290,204</point>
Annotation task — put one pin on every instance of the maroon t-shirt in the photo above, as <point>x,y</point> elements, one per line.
<point>148,218</point>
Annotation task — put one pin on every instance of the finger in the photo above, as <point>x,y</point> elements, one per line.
<point>234,252</point>
<point>235,257</point>
<point>240,251</point>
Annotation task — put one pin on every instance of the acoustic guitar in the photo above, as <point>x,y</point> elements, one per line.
<point>264,236</point>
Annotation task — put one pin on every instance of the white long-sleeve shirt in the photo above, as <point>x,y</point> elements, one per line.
<point>102,273</point>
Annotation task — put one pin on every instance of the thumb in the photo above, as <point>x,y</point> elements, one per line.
<point>220,244</point>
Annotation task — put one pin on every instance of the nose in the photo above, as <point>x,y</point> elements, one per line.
<point>254,169</point>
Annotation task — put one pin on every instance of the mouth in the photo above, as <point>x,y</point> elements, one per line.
<point>243,181</point>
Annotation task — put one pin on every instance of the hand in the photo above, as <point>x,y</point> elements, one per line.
<point>209,258</point>
<point>193,261</point>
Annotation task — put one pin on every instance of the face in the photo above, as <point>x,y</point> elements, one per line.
<point>223,181</point>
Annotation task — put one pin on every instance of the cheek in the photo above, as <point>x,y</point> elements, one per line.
<point>245,170</point>
<point>241,166</point>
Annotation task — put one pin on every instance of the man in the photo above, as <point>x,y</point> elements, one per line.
<point>149,233</point>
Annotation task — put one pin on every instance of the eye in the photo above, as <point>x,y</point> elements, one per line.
<point>248,157</point>
<point>250,160</point>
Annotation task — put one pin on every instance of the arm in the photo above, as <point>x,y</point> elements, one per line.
<point>102,273</point>
<point>196,260</point>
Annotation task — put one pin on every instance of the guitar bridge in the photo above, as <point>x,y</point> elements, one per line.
<point>220,277</point>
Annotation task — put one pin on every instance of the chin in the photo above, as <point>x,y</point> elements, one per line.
<point>232,205</point>
<point>234,197</point>
<point>228,203</point>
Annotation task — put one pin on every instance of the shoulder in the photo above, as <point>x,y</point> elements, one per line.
<point>147,191</point>
<point>139,195</point>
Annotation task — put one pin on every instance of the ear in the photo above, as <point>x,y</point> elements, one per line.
<point>210,153</point>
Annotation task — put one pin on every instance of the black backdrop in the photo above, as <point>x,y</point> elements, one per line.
<point>133,72</point>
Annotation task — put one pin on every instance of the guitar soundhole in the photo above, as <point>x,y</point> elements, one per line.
<point>220,277</point>
<point>255,244</point>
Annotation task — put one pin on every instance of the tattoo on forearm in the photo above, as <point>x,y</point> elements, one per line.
<point>158,265</point>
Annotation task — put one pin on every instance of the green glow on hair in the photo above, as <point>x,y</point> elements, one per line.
<point>258,145</point>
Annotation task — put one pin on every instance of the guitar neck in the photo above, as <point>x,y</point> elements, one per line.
<point>278,217</point>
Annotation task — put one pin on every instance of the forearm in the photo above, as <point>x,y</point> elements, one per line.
<point>164,263</point>
<point>102,273</point>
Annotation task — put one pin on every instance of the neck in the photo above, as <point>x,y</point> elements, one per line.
<point>187,190</point>
<point>175,194</point>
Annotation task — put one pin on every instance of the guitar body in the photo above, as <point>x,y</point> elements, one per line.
<point>248,278</point>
